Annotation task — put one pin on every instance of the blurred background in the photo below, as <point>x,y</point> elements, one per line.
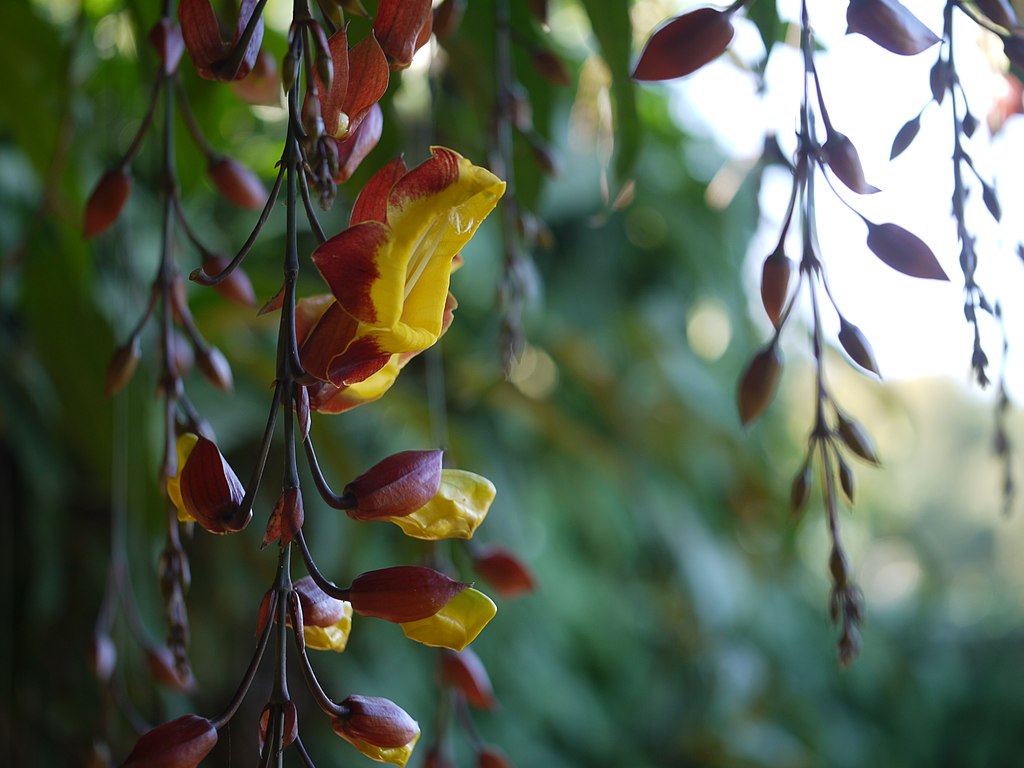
<point>680,616</point>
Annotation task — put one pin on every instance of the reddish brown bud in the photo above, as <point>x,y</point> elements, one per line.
<point>166,39</point>
<point>904,251</point>
<point>684,44</point>
<point>775,276</point>
<point>181,356</point>
<point>448,17</point>
<point>856,439</point>
<point>237,183</point>
<point>286,519</point>
<point>503,571</point>
<point>291,723</point>
<point>435,758</point>
<point>398,26</point>
<point>210,490</point>
<point>181,743</point>
<point>165,670</point>
<point>466,673</point>
<point>842,158</point>
<point>490,756</point>
<point>403,593</point>
<point>801,488</point>
<point>551,68</point>
<point>847,481</point>
<point>103,655</point>
<point>216,369</point>
<point>890,25</point>
<point>837,567</point>
<point>544,158</point>
<point>759,381</point>
<point>318,608</point>
<point>235,287</point>
<point>122,365</point>
<point>857,346</point>
<point>376,721</point>
<point>396,486</point>
<point>107,199</point>
<point>263,615</point>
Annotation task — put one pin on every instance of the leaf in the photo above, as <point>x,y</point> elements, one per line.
<point>685,44</point>
<point>905,136</point>
<point>889,24</point>
<point>903,251</point>
<point>612,27</point>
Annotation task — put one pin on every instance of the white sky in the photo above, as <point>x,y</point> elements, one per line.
<point>916,327</point>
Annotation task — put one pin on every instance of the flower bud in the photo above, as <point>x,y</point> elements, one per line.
<point>758,384</point>
<point>684,44</point>
<point>237,183</point>
<point>166,39</point>
<point>448,17</point>
<point>122,365</point>
<point>890,25</point>
<point>775,275</point>
<point>107,199</point>
<point>291,723</point>
<point>490,756</point>
<point>235,287</point>
<point>857,440</point>
<point>180,743</point>
<point>503,571</point>
<point>435,758</point>
<point>403,593</point>
<point>800,491</point>
<point>165,669</point>
<point>466,673</point>
<point>857,346</point>
<point>205,488</point>
<point>398,485</point>
<point>327,621</point>
<point>457,624</point>
<point>286,519</point>
<point>376,721</point>
<point>216,368</point>
<point>455,512</point>
<point>842,158</point>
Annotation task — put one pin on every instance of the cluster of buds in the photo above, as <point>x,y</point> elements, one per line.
<point>686,43</point>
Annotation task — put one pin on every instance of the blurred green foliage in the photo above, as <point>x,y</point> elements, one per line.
<point>680,618</point>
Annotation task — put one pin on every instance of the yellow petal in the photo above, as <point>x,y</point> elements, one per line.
<point>332,638</point>
<point>457,624</point>
<point>184,448</point>
<point>395,755</point>
<point>456,511</point>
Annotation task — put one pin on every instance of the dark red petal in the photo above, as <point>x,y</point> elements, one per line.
<point>210,489</point>
<point>685,44</point>
<point>167,41</point>
<point>428,178</point>
<point>332,100</point>
<point>397,485</point>
<point>347,262</point>
<point>181,743</point>
<point>201,31</point>
<point>372,202</point>
<point>368,75</point>
<point>398,26</point>
<point>402,593</point>
<point>360,142</point>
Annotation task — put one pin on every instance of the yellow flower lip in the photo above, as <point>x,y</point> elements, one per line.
<point>389,272</point>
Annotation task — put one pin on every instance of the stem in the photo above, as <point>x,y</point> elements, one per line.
<point>333,500</point>
<point>191,124</point>
<point>328,705</point>
<point>325,584</point>
<point>314,222</point>
<point>147,121</point>
<point>257,473</point>
<point>199,276</point>
<point>250,673</point>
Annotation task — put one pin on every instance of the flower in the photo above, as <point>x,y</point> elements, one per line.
<point>326,622</point>
<point>389,272</point>
<point>205,489</point>
<point>378,728</point>
<point>455,512</point>
<point>457,624</point>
